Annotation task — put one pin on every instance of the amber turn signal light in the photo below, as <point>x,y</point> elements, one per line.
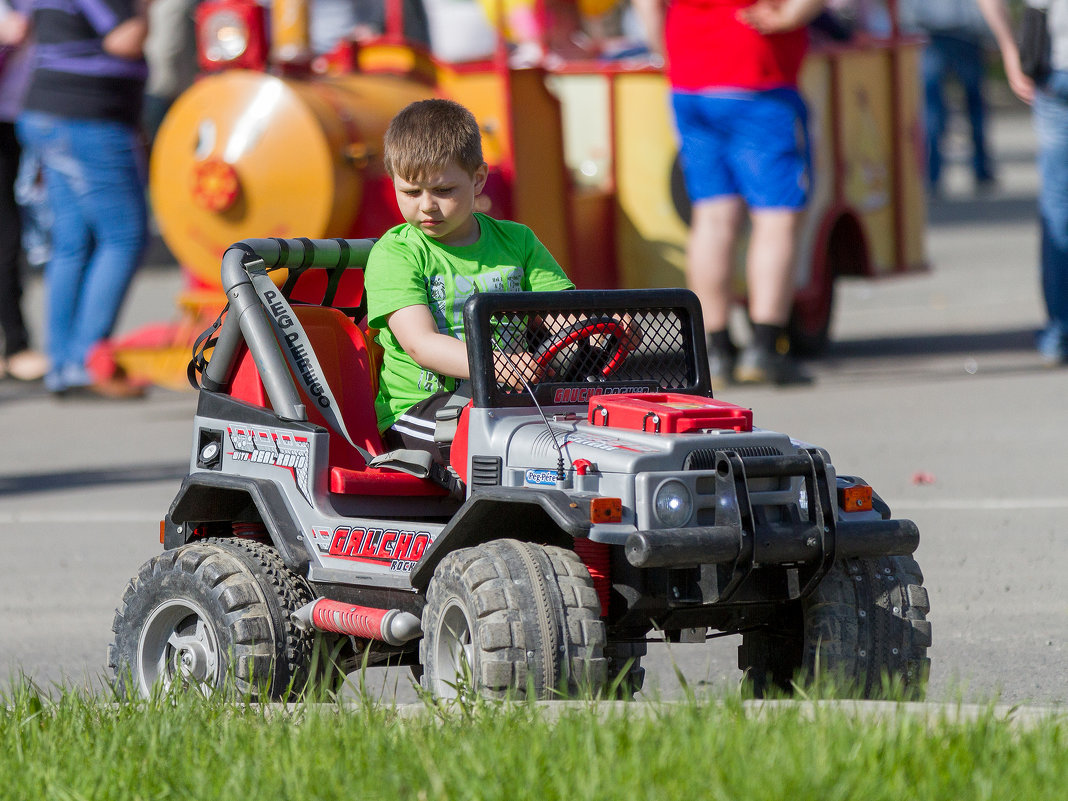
<point>855,498</point>
<point>606,510</point>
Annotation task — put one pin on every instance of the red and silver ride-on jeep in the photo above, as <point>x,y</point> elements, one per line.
<point>611,504</point>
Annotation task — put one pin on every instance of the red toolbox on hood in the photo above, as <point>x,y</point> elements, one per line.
<point>668,413</point>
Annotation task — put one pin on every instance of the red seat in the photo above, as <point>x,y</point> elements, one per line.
<point>311,288</point>
<point>370,481</point>
<point>343,353</point>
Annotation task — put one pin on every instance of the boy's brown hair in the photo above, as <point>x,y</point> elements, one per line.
<point>427,136</point>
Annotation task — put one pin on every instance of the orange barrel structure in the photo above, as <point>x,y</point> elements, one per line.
<point>245,152</point>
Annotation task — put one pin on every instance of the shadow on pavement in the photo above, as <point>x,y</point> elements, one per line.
<point>73,479</point>
<point>972,211</point>
<point>12,390</point>
<point>977,342</point>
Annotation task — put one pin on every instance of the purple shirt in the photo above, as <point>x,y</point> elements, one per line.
<point>73,75</point>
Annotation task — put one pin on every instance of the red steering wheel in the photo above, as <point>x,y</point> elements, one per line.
<point>572,356</point>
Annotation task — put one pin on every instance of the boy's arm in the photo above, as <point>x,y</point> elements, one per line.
<point>417,333</point>
<point>415,330</point>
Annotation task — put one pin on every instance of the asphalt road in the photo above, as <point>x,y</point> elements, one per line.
<point>930,390</point>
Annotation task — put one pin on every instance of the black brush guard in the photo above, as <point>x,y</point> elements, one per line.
<point>729,552</point>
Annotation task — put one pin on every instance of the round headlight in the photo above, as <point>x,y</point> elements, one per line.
<point>224,37</point>
<point>673,504</point>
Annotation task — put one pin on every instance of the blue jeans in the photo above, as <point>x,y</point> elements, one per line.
<point>963,58</point>
<point>94,174</point>
<point>1051,128</point>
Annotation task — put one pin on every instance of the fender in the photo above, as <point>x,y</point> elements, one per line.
<point>205,497</point>
<point>543,516</point>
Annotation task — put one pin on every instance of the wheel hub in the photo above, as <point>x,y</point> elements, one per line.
<point>178,643</point>
<point>455,650</point>
<point>192,661</point>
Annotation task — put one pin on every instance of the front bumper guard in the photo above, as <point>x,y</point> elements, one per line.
<point>774,545</point>
<point>735,547</point>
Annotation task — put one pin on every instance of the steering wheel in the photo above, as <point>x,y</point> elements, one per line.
<point>571,354</point>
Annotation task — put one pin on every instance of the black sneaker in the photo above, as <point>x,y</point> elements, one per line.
<point>762,366</point>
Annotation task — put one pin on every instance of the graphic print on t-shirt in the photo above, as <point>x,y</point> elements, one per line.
<point>450,320</point>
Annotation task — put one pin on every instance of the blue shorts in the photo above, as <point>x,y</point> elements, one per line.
<point>752,144</point>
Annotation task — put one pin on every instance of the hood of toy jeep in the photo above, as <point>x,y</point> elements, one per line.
<point>629,434</point>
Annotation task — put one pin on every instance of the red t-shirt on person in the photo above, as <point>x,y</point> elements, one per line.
<point>708,47</point>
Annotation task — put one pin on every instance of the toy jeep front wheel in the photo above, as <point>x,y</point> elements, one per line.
<point>512,619</point>
<point>864,624</point>
<point>208,614</point>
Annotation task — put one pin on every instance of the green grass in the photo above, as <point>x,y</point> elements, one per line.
<point>72,745</point>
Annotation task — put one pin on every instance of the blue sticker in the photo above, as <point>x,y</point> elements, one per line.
<point>540,477</point>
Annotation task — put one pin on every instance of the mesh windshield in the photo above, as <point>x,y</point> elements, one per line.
<point>570,355</point>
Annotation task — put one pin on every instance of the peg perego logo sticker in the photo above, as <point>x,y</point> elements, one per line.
<point>298,350</point>
<point>540,477</point>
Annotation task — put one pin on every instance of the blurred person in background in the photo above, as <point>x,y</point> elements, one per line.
<point>1048,97</point>
<point>460,30</point>
<point>331,21</point>
<point>956,48</point>
<point>869,18</point>
<point>19,360</point>
<point>81,115</point>
<point>733,68</point>
<point>171,55</point>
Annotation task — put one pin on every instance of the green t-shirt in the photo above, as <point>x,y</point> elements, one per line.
<point>407,268</point>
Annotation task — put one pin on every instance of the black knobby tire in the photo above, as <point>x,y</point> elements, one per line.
<point>214,614</point>
<point>864,624</point>
<point>515,619</point>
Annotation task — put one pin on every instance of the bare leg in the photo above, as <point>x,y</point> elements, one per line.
<point>710,256</point>
<point>770,265</point>
<point>770,276</point>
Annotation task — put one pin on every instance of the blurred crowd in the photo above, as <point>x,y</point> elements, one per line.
<point>85,84</point>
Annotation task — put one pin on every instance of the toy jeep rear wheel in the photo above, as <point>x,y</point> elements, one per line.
<point>210,615</point>
<point>864,624</point>
<point>512,619</point>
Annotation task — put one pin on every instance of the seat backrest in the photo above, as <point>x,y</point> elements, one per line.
<point>313,287</point>
<point>343,352</point>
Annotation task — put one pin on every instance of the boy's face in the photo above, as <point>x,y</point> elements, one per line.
<point>441,204</point>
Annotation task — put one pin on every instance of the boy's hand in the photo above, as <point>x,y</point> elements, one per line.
<point>512,368</point>
<point>632,334</point>
<point>626,339</point>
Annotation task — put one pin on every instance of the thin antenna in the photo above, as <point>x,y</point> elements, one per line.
<point>560,475</point>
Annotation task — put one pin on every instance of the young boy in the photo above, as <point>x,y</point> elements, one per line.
<point>420,273</point>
